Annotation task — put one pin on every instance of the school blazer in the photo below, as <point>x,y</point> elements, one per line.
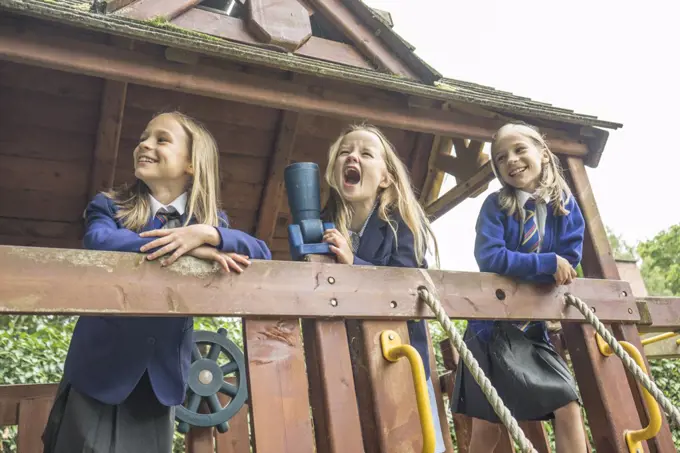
<point>109,354</point>
<point>378,247</point>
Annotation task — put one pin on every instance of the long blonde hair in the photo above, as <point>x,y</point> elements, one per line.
<point>398,196</point>
<point>204,194</point>
<point>551,184</point>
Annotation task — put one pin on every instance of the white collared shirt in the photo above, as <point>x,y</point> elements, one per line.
<point>179,203</point>
<point>541,210</point>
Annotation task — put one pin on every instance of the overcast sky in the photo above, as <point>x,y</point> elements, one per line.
<point>618,61</point>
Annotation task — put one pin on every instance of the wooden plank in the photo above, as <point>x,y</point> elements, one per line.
<point>40,205</point>
<point>278,386</point>
<point>154,9</point>
<point>460,192</point>
<point>127,284</point>
<point>662,313</point>
<point>48,81</point>
<point>420,156</point>
<point>274,188</point>
<point>387,403</point>
<point>331,383</point>
<point>29,241</point>
<point>12,395</point>
<point>435,177</point>
<point>336,52</point>
<point>36,142</point>
<point>99,60</point>
<point>33,414</point>
<point>280,23</point>
<point>40,229</point>
<point>614,403</point>
<point>364,39</point>
<point>199,440</point>
<point>105,156</point>
<point>237,439</point>
<point>58,178</point>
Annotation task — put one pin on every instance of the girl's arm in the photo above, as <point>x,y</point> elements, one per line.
<point>102,231</point>
<point>493,256</point>
<point>236,241</point>
<point>403,256</point>
<point>570,245</point>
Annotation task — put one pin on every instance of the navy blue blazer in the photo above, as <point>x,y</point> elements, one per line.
<point>109,354</point>
<point>378,247</point>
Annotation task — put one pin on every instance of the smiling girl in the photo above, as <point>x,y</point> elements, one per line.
<point>379,221</point>
<point>531,229</point>
<point>124,375</point>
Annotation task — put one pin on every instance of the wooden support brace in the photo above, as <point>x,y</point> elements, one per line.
<point>460,192</point>
<point>280,23</point>
<point>274,189</point>
<point>614,403</point>
<point>435,177</point>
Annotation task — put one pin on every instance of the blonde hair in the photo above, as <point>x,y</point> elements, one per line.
<point>398,196</point>
<point>551,184</point>
<point>204,195</point>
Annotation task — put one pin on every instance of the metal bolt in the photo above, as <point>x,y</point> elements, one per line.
<point>334,302</point>
<point>390,336</point>
<point>630,310</point>
<point>393,304</point>
<point>592,309</point>
<point>205,377</point>
<point>331,280</point>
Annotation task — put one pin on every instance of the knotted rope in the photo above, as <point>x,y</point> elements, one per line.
<point>628,362</point>
<point>472,364</point>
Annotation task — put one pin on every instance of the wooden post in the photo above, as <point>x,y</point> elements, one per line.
<point>611,405</point>
<point>331,384</point>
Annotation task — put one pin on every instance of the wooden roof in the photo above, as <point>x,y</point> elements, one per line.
<point>204,32</point>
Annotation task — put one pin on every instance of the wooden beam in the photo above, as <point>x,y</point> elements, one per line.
<point>281,23</point>
<point>273,191</point>
<point>420,157</point>
<point>664,349</point>
<point>435,177</point>
<point>153,9</point>
<point>105,156</point>
<point>99,60</point>
<point>661,314</point>
<point>364,39</point>
<point>12,395</point>
<point>460,192</point>
<point>111,283</point>
<point>235,29</point>
<point>614,403</point>
<point>332,392</point>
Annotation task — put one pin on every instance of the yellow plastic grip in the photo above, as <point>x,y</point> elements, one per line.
<point>393,350</point>
<point>635,438</point>
<point>660,337</point>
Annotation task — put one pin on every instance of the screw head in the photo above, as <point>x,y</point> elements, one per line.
<point>390,336</point>
<point>334,302</point>
<point>630,311</point>
<point>331,280</point>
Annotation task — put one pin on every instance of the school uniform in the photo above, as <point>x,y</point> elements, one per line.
<point>518,358</point>
<point>375,245</point>
<point>124,375</point>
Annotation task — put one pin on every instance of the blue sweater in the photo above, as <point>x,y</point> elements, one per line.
<point>498,239</point>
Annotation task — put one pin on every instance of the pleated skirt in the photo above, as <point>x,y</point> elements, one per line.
<point>529,375</point>
<point>80,424</point>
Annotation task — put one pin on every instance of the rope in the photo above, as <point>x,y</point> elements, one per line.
<point>628,362</point>
<point>472,364</point>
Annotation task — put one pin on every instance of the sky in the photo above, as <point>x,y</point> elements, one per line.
<point>605,58</point>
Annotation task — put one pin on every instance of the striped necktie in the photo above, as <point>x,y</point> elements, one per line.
<point>168,218</point>
<point>531,239</point>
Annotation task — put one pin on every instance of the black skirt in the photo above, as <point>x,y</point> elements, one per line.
<point>80,424</point>
<point>529,375</point>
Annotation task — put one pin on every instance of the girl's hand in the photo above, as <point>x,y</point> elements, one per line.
<point>179,240</point>
<point>226,260</point>
<point>339,246</point>
<point>565,273</point>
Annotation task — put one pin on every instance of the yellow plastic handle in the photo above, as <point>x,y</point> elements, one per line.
<point>393,350</point>
<point>635,438</point>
